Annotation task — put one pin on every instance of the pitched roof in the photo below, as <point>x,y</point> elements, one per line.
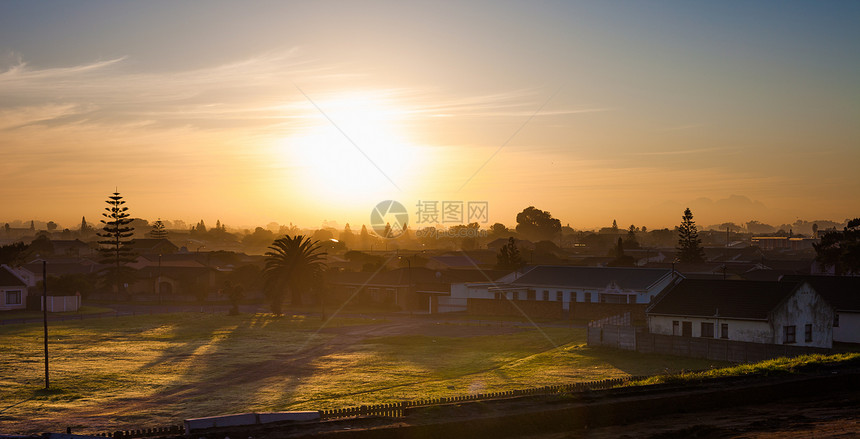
<point>843,292</point>
<point>740,299</point>
<point>592,277</point>
<point>9,279</point>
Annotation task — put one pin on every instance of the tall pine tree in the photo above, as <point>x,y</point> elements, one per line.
<point>158,230</point>
<point>116,243</point>
<point>689,245</point>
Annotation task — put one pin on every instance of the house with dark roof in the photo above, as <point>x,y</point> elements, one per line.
<point>153,246</point>
<point>13,289</point>
<point>561,291</point>
<point>750,311</point>
<point>843,293</point>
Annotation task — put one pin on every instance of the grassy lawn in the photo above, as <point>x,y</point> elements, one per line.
<point>144,371</point>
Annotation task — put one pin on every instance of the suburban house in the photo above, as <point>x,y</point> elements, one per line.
<point>13,289</point>
<point>750,311</point>
<point>557,291</point>
<point>414,289</point>
<point>843,293</point>
<point>153,246</point>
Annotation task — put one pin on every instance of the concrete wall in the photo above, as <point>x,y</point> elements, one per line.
<point>530,308</point>
<point>804,307</point>
<point>848,330</point>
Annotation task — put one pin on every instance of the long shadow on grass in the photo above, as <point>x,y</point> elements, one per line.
<point>635,363</point>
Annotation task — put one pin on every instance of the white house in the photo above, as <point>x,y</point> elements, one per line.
<point>843,292</point>
<point>570,284</point>
<point>13,289</point>
<point>750,311</point>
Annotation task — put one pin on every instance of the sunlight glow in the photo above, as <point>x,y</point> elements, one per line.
<point>353,155</point>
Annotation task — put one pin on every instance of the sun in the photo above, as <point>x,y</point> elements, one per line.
<point>354,147</point>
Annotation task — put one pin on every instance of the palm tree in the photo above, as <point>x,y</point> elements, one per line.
<point>292,265</point>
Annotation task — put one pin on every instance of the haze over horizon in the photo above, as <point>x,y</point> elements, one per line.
<point>304,112</point>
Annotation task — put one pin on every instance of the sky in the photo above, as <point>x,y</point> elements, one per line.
<point>304,112</point>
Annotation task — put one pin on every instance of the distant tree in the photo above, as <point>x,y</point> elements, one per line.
<point>347,237</point>
<point>840,249</point>
<point>201,227</point>
<point>32,225</point>
<point>322,235</point>
<point>260,238</point>
<point>631,242</point>
<point>644,229</point>
<point>292,266</point>
<point>621,259</point>
<point>689,244</point>
<point>614,226</point>
<point>234,294</point>
<point>537,224</point>
<point>116,243</point>
<point>498,230</point>
<point>71,284</point>
<point>364,237</point>
<point>51,226</point>
<point>509,257</point>
<point>6,228</point>
<point>814,229</point>
<point>13,254</point>
<point>158,230</point>
<point>85,228</point>
<point>386,233</point>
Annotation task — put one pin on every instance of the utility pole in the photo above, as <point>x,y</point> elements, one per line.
<point>45,317</point>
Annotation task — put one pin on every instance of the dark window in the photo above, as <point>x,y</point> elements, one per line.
<point>788,334</point>
<point>676,327</point>
<point>835,320</point>
<point>530,295</point>
<point>588,297</point>
<point>13,297</point>
<point>707,330</point>
<point>808,333</point>
<point>724,330</point>
<point>559,296</point>
<point>545,295</point>
<point>499,296</point>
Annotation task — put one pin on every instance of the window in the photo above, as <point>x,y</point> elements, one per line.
<point>530,294</point>
<point>559,296</point>
<point>13,297</point>
<point>545,295</point>
<point>499,296</point>
<point>676,327</point>
<point>587,297</point>
<point>724,330</point>
<point>808,333</point>
<point>788,334</point>
<point>835,320</point>
<point>707,330</point>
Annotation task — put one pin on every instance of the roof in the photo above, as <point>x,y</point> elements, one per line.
<point>843,292</point>
<point>10,279</point>
<point>741,299</point>
<point>152,243</point>
<point>592,277</point>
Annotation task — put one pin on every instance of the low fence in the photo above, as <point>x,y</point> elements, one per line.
<point>146,432</point>
<point>61,303</point>
<point>631,339</point>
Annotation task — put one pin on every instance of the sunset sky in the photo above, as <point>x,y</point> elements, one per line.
<point>253,112</point>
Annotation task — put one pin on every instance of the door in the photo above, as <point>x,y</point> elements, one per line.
<point>686,329</point>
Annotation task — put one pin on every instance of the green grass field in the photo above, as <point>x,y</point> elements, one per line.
<point>136,372</point>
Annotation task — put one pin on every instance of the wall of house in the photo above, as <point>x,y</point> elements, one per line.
<point>596,311</point>
<point>739,330</point>
<point>848,330</point>
<point>804,307</point>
